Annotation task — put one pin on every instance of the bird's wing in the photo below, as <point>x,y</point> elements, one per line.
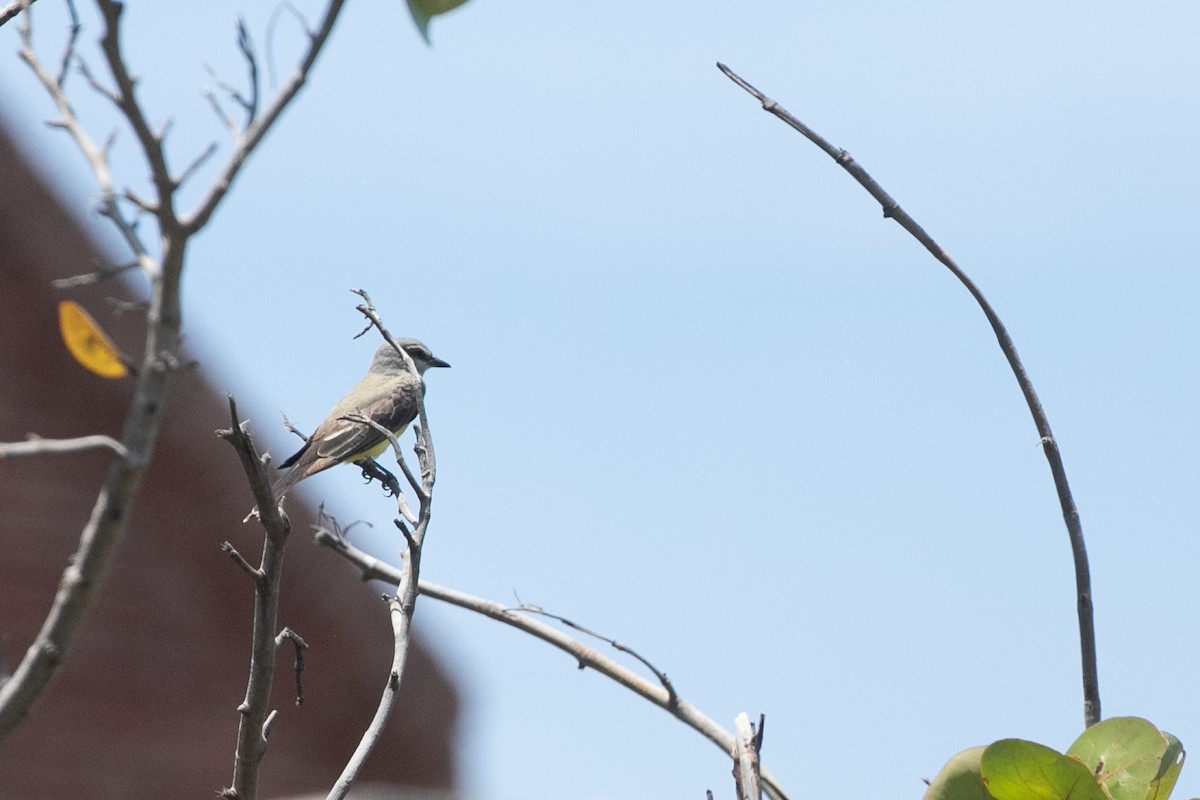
<point>393,408</point>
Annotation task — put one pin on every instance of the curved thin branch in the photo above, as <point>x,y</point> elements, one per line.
<point>373,568</point>
<point>391,692</point>
<point>892,209</point>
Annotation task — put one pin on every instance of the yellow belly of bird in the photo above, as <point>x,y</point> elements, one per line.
<point>377,450</point>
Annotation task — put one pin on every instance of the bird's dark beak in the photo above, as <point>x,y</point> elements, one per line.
<point>437,362</point>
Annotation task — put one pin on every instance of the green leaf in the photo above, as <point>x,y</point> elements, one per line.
<point>1014,769</point>
<point>424,10</point>
<point>1131,757</point>
<point>1168,770</point>
<point>960,779</point>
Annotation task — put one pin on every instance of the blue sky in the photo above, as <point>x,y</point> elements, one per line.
<point>704,398</point>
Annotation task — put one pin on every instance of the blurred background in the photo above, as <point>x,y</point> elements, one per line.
<point>704,398</point>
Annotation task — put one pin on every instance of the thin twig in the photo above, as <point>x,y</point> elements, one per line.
<point>37,446</point>
<point>287,634</point>
<point>125,97</point>
<point>372,568</point>
<point>892,209</point>
<point>219,111</point>
<point>658,673</point>
<point>102,273</point>
<point>255,132</point>
<point>68,55</point>
<point>245,566</point>
<point>183,176</point>
<point>249,105</point>
<point>97,156</point>
<point>246,47</point>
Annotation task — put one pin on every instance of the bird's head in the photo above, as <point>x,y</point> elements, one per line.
<point>387,360</point>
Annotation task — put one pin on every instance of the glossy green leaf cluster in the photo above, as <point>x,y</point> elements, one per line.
<point>1123,758</point>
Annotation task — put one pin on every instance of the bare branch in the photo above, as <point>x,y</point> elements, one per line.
<point>249,105</point>
<point>892,209</point>
<point>187,172</point>
<point>97,87</point>
<point>402,606</point>
<point>746,757</point>
<point>287,634</point>
<point>69,50</point>
<point>658,673</point>
<point>368,310</point>
<point>246,46</point>
<point>85,573</point>
<point>272,21</point>
<point>224,119</point>
<point>246,567</point>
<point>37,446</point>
<point>126,100</point>
<point>141,203</point>
<point>120,307</point>
<point>255,721</point>
<point>391,691</point>
<point>97,157</point>
<point>102,273</point>
<point>372,568</point>
<point>12,9</point>
<point>259,127</point>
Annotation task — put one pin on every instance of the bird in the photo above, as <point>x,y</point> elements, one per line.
<point>388,394</point>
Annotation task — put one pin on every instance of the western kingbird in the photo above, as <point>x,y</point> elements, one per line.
<point>388,394</point>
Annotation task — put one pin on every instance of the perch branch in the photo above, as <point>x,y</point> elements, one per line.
<point>402,605</point>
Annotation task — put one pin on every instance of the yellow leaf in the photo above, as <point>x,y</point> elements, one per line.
<point>85,340</point>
